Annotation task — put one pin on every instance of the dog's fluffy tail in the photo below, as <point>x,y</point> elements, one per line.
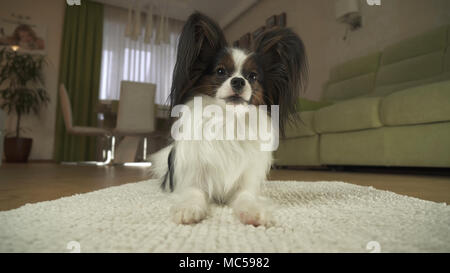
<point>162,167</point>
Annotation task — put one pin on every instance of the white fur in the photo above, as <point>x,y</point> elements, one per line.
<point>223,171</point>
<point>225,90</point>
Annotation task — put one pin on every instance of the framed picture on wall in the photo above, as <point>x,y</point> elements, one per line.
<point>271,21</point>
<point>28,37</point>
<point>245,41</point>
<point>281,20</point>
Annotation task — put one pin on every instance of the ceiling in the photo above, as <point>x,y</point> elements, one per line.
<point>223,12</point>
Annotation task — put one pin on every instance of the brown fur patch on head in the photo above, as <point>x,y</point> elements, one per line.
<point>251,69</point>
<point>225,60</point>
<point>209,83</point>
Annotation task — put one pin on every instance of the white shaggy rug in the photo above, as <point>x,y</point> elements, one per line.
<point>310,216</point>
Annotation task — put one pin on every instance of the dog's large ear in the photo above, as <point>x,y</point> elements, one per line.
<point>200,41</point>
<point>284,62</point>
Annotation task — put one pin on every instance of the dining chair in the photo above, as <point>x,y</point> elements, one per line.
<point>136,114</point>
<point>81,130</point>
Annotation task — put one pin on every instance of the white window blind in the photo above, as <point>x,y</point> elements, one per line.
<point>125,59</point>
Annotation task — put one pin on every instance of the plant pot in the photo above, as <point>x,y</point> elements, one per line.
<point>17,149</point>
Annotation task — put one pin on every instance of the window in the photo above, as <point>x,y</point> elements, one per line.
<point>125,59</point>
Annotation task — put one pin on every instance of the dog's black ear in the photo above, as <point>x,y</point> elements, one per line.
<point>283,60</point>
<point>200,41</point>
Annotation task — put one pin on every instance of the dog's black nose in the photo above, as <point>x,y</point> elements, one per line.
<point>237,84</point>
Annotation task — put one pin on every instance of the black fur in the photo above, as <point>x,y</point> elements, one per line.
<point>200,41</point>
<point>170,172</point>
<point>281,54</point>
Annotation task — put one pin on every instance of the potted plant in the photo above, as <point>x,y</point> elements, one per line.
<point>21,92</point>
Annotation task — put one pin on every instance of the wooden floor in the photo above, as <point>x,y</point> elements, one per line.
<point>35,182</point>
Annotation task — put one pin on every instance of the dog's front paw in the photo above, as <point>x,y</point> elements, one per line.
<point>253,214</point>
<point>188,213</point>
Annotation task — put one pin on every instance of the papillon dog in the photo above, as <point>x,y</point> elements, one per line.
<point>228,171</point>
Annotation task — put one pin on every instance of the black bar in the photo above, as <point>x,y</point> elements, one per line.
<point>235,262</point>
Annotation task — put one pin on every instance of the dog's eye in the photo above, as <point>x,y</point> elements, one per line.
<point>252,76</point>
<point>220,71</point>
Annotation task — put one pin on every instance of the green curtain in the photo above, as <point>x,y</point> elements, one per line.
<point>80,66</point>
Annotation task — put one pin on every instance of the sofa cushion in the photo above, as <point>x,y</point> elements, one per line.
<point>428,42</point>
<point>302,128</point>
<point>355,114</point>
<point>355,67</point>
<point>424,145</point>
<point>389,89</point>
<point>421,104</point>
<point>302,151</point>
<point>365,147</point>
<point>411,69</point>
<point>350,88</point>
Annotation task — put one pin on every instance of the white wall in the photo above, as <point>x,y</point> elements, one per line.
<point>48,13</point>
<point>314,21</point>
